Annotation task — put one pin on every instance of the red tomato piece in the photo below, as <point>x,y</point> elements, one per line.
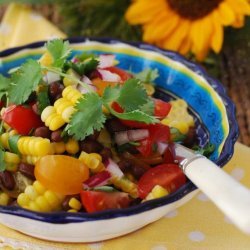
<point>159,132</point>
<point>145,147</point>
<point>21,118</point>
<point>161,109</point>
<point>169,176</point>
<point>95,201</point>
<point>169,154</point>
<point>122,73</point>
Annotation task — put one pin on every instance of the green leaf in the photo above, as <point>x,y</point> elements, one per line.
<point>13,143</point>
<point>147,75</point>
<point>135,115</point>
<point>59,50</point>
<point>43,99</point>
<point>4,85</point>
<point>24,81</point>
<point>111,94</point>
<point>87,118</point>
<point>207,150</point>
<point>2,162</point>
<point>177,136</point>
<point>82,57</point>
<point>148,107</point>
<point>83,68</point>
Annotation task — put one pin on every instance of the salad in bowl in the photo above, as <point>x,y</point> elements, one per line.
<point>88,136</point>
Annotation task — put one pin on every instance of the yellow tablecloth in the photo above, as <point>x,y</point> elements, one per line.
<point>196,225</point>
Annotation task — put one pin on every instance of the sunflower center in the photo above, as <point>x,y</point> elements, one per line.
<point>193,9</point>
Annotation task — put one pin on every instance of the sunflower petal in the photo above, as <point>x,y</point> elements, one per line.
<point>141,11</point>
<point>226,14</point>
<point>218,35</point>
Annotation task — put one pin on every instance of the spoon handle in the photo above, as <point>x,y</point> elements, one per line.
<point>224,191</point>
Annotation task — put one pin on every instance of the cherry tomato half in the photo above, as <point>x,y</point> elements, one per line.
<point>169,176</point>
<point>95,201</point>
<point>21,118</point>
<point>61,173</point>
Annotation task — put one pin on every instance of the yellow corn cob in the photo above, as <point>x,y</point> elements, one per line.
<point>72,146</point>
<point>37,198</point>
<point>179,117</point>
<point>75,204</point>
<point>125,185</point>
<point>4,138</point>
<point>46,59</point>
<point>30,159</point>
<point>4,199</point>
<point>35,146</point>
<point>71,94</point>
<point>51,118</point>
<point>157,192</point>
<point>93,161</point>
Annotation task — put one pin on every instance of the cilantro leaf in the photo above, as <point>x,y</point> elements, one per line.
<point>87,118</point>
<point>132,95</point>
<point>82,57</point>
<point>147,75</point>
<point>43,99</point>
<point>148,107</point>
<point>4,85</point>
<point>59,50</point>
<point>111,94</point>
<point>135,115</point>
<point>24,81</point>
<point>83,68</point>
<point>2,162</point>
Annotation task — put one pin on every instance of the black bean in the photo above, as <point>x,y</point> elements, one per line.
<point>7,180</point>
<point>42,132</point>
<point>94,136</point>
<point>56,136</point>
<point>27,170</point>
<point>55,89</point>
<point>35,108</point>
<point>106,153</point>
<point>91,146</point>
<point>137,171</point>
<point>124,165</point>
<point>114,125</point>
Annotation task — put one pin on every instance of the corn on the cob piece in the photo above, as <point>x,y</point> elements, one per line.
<point>37,198</point>
<point>71,94</point>
<point>125,185</point>
<point>4,199</point>
<point>179,117</point>
<point>157,192</point>
<point>51,118</point>
<point>93,161</point>
<point>35,146</point>
<point>30,159</point>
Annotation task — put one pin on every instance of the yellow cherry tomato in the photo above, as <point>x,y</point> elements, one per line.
<point>61,174</point>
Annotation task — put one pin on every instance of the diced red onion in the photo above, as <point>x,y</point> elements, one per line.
<point>75,60</point>
<point>109,76</point>
<point>114,169</point>
<point>97,180</point>
<point>161,147</point>
<point>51,77</point>
<point>106,61</point>
<point>86,80</point>
<point>131,135</point>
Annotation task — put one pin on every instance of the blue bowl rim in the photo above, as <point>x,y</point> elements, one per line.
<point>225,156</point>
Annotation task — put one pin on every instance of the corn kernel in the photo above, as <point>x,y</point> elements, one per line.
<point>72,211</point>
<point>31,192</point>
<point>149,88</point>
<point>43,204</point>
<point>157,192</point>
<point>11,158</point>
<point>126,185</point>
<point>23,199</point>
<point>67,81</point>
<point>75,204</point>
<point>72,146</point>
<point>4,199</point>
<point>40,189</point>
<point>59,147</point>
<point>12,167</point>
<point>46,59</point>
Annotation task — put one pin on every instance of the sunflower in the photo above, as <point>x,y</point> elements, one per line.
<point>187,25</point>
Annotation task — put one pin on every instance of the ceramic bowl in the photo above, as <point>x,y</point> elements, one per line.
<point>215,122</point>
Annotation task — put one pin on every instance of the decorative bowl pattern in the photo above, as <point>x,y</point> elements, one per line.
<point>215,121</point>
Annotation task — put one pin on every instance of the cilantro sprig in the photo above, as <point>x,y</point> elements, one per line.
<point>89,115</point>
